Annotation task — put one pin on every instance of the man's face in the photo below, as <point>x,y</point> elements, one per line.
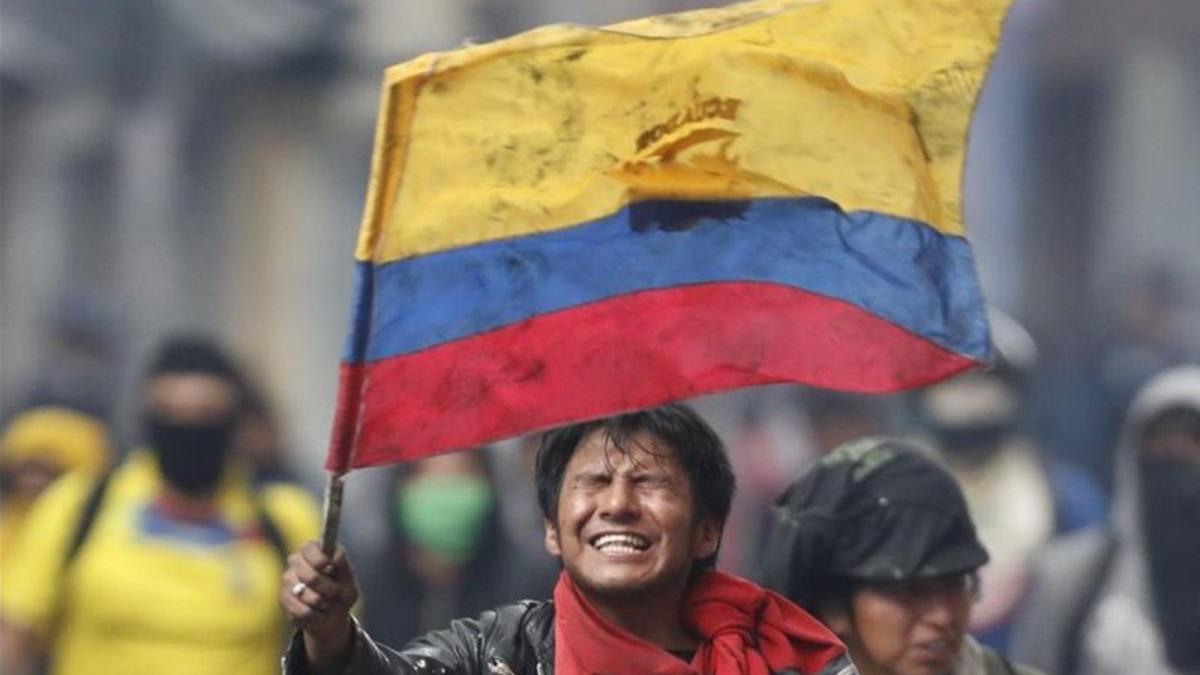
<point>626,521</point>
<point>908,628</point>
<point>1172,445</point>
<point>190,398</point>
<point>29,477</point>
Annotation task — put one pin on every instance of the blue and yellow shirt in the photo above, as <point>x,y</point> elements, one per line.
<point>148,593</point>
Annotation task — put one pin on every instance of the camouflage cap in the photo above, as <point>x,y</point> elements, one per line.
<point>875,509</point>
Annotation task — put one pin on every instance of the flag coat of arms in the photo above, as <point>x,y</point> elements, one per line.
<point>577,221</point>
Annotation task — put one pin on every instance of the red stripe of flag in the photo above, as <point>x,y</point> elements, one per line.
<point>633,351</point>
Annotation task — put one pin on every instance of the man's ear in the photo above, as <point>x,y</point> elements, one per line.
<point>552,545</point>
<point>708,539</point>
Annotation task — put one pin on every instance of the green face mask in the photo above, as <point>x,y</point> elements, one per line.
<point>444,514</point>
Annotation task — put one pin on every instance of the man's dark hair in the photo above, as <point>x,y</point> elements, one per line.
<point>198,355</point>
<point>697,447</point>
<point>833,595</point>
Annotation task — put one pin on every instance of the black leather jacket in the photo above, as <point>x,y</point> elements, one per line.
<point>516,639</point>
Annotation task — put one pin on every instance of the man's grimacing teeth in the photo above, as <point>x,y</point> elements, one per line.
<point>943,645</point>
<point>626,543</point>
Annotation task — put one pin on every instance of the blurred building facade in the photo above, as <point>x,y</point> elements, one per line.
<point>202,164</point>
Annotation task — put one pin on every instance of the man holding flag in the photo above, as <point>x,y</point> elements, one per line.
<point>634,506</point>
<point>578,222</point>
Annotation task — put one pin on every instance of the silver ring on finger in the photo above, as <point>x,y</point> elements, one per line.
<point>299,588</point>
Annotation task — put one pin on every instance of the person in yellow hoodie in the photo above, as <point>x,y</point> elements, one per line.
<point>36,447</point>
<point>169,563</point>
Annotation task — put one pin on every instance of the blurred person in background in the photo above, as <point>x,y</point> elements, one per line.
<point>36,447</point>
<point>877,542</point>
<point>775,435</point>
<point>170,563</point>
<point>81,363</point>
<point>1125,597</point>
<point>259,440</point>
<point>449,554</point>
<point>512,464</point>
<point>838,417</point>
<point>755,452</point>
<point>1019,497</point>
<point>1154,326</point>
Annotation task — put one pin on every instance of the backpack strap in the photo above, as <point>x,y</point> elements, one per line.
<point>270,529</point>
<point>87,518</point>
<point>91,509</point>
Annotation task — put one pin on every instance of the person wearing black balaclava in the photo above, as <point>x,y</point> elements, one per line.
<point>1020,496</point>
<point>192,403</point>
<point>1125,598</point>
<point>169,563</point>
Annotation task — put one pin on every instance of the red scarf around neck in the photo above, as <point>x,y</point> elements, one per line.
<point>744,628</point>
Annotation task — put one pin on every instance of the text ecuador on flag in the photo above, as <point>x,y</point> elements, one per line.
<point>578,221</point>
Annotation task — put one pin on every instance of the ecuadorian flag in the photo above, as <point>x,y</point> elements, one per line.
<point>577,221</point>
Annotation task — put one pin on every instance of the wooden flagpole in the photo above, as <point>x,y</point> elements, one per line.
<point>334,488</point>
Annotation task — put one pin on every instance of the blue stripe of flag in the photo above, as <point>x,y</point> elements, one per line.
<point>900,270</point>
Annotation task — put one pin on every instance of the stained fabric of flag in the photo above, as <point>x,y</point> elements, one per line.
<point>578,221</point>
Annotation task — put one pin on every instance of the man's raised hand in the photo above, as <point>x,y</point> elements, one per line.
<point>317,594</point>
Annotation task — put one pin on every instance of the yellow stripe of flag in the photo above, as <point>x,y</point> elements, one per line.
<point>863,102</point>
